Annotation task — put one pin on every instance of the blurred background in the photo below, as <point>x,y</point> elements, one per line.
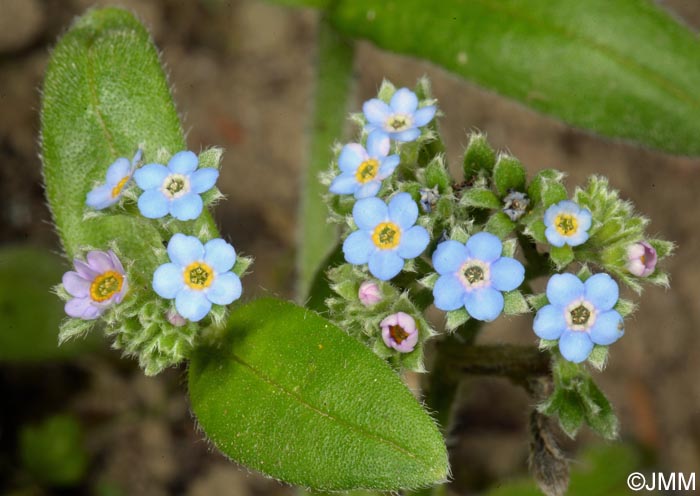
<point>88,422</point>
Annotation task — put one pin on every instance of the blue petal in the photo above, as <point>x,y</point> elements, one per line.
<point>219,255</point>
<point>187,207</point>
<point>385,264</point>
<point>137,157</point>
<point>168,280</point>
<point>484,246</point>
<point>358,247</point>
<point>344,184</point>
<point>577,239</point>
<point>507,274</point>
<point>404,101</point>
<point>378,144</point>
<point>554,238</point>
<point>376,111</point>
<point>575,346</point>
<point>562,289</point>
<point>407,135</point>
<point>602,291</point>
<point>183,162</point>
<point>388,166</point>
<point>117,171</point>
<point>549,322</point>
<point>413,242</point>
<point>100,197</point>
<point>351,156</point>
<point>484,303</point>
<point>151,176</point>
<point>567,206</point>
<point>203,179</point>
<point>368,189</point>
<point>183,250</point>
<point>608,328</point>
<point>550,215</point>
<point>448,293</point>
<point>424,115</point>
<point>403,210</point>
<point>369,212</point>
<point>449,256</point>
<point>584,219</point>
<point>153,204</point>
<point>225,289</point>
<point>192,305</point>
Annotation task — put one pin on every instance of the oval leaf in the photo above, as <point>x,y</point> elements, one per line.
<point>624,69</point>
<point>291,395</point>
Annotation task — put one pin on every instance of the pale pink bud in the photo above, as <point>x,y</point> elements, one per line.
<point>641,259</point>
<point>176,319</point>
<point>399,332</point>
<point>369,293</point>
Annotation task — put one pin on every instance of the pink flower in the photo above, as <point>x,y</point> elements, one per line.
<point>399,332</point>
<point>369,293</point>
<point>95,285</point>
<point>641,259</point>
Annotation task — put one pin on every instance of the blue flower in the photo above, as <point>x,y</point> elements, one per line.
<point>567,223</point>
<point>401,118</point>
<point>386,236</point>
<point>580,314</point>
<point>362,170</point>
<point>174,189</point>
<point>474,274</point>
<point>118,175</point>
<point>197,276</point>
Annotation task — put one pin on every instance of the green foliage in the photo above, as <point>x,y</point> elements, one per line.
<point>287,393</point>
<point>53,451</point>
<point>30,314</point>
<point>479,155</point>
<point>480,198</point>
<point>633,67</point>
<point>318,237</point>
<point>508,174</point>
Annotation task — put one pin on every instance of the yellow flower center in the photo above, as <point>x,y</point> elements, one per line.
<point>367,171</point>
<point>566,224</point>
<point>175,185</point>
<point>386,236</point>
<point>120,186</point>
<point>198,275</point>
<point>105,285</point>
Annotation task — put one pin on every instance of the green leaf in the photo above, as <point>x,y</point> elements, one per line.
<point>291,395</point>
<point>53,451</point>
<point>508,174</point>
<point>334,74</point>
<point>436,175</point>
<point>536,230</point>
<point>624,69</point>
<point>599,414</point>
<point>480,198</point>
<point>456,318</point>
<point>479,155</point>
<point>514,303</point>
<point>29,312</point>
<point>561,256</point>
<point>320,289</point>
<point>500,225</point>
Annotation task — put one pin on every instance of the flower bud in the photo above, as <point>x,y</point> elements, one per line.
<point>369,293</point>
<point>399,332</point>
<point>175,318</point>
<point>641,259</point>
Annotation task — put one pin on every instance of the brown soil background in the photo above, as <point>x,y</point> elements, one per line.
<point>243,75</point>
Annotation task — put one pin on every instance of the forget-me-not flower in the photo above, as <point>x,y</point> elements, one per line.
<point>641,259</point>
<point>399,331</point>
<point>401,118</point>
<point>174,189</point>
<point>567,223</point>
<point>386,236</point>
<point>580,315</point>
<point>362,170</point>
<point>118,176</point>
<point>197,276</point>
<point>473,275</point>
<point>95,285</point>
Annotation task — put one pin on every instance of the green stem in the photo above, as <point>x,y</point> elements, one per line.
<point>317,237</point>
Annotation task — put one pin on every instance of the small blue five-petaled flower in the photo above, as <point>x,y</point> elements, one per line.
<point>197,276</point>
<point>362,170</point>
<point>118,175</point>
<point>401,118</point>
<point>567,223</point>
<point>580,315</point>
<point>174,189</point>
<point>387,235</point>
<point>473,275</point>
